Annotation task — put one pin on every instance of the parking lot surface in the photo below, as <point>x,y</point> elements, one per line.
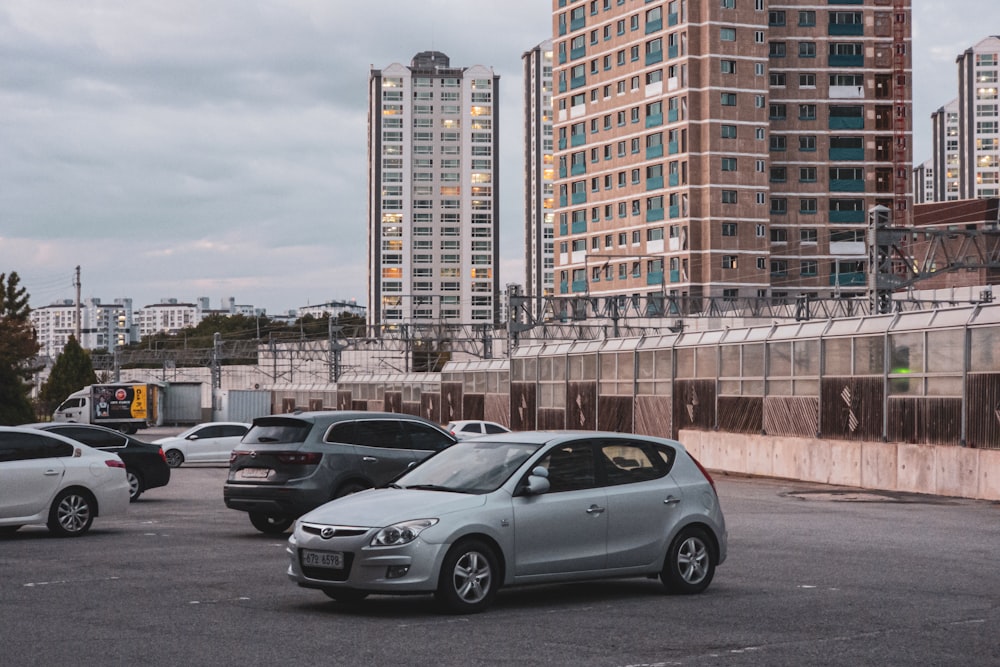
<point>815,576</point>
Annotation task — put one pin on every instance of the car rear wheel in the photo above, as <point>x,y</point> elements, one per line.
<point>270,524</point>
<point>174,458</point>
<point>345,595</point>
<point>469,578</point>
<point>135,485</point>
<point>690,563</point>
<point>72,513</point>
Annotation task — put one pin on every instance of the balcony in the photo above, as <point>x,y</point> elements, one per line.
<point>675,212</point>
<point>654,151</point>
<point>654,57</point>
<point>673,180</point>
<point>578,140</point>
<point>672,115</point>
<point>579,226</point>
<point>672,19</point>
<point>654,278</point>
<point>653,120</point>
<point>654,26</point>
<point>564,288</point>
<point>847,61</point>
<point>849,279</point>
<point>579,198</point>
<point>847,185</point>
<point>849,29</point>
<point>578,52</point>
<point>672,148</point>
<point>654,214</point>
<point>579,286</point>
<point>847,216</point>
<point>847,122</point>
<point>576,169</point>
<point>847,154</point>
<point>654,183</point>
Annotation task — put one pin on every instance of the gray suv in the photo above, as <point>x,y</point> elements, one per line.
<point>289,464</point>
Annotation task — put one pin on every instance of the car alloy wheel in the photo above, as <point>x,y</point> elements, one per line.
<point>134,485</point>
<point>270,524</point>
<point>174,458</point>
<point>469,578</point>
<point>71,514</point>
<point>690,562</point>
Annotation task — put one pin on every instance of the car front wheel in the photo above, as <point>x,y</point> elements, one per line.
<point>174,458</point>
<point>690,563</point>
<point>135,487</point>
<point>72,513</point>
<point>469,578</point>
<point>270,524</point>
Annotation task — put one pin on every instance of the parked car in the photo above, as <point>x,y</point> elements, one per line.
<point>519,508</point>
<point>212,442</point>
<point>145,464</point>
<point>46,478</point>
<point>290,464</point>
<point>474,428</point>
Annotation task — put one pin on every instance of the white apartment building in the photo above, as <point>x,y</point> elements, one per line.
<point>433,200</point>
<point>945,128</point>
<point>103,326</point>
<point>923,182</point>
<point>539,173</point>
<point>978,119</point>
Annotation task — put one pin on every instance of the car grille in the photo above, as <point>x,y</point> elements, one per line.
<point>328,574</point>
<point>342,531</point>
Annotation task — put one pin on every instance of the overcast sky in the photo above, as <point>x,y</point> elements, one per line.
<point>186,148</point>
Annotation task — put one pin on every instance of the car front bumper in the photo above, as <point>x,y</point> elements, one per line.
<point>409,568</point>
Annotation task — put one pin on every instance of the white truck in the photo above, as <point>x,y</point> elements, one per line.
<point>126,406</point>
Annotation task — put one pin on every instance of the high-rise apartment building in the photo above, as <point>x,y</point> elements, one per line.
<point>433,200</point>
<point>978,118</point>
<point>946,156</point>
<point>923,182</point>
<point>103,326</point>
<point>539,173</point>
<point>727,147</point>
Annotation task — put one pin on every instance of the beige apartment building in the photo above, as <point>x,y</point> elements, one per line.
<point>727,148</point>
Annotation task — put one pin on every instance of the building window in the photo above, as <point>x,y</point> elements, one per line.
<point>728,131</point>
<point>728,99</point>
<point>729,196</point>
<point>729,261</point>
<point>807,49</point>
<point>728,164</point>
<point>807,174</point>
<point>807,142</point>
<point>779,205</point>
<point>729,229</point>
<point>807,205</point>
<point>727,34</point>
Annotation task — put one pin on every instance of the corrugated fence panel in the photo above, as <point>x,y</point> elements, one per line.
<point>925,420</point>
<point>359,405</point>
<point>344,401</point>
<point>392,401</point>
<point>851,408</point>
<point>983,427</point>
<point>741,414</point>
<point>430,406</point>
<point>694,404</point>
<point>551,418</point>
<point>614,413</point>
<point>473,406</point>
<point>791,415</point>
<point>652,416</point>
<point>581,405</point>
<point>451,402</point>
<point>522,406</point>
<point>411,408</point>
<point>497,409</point>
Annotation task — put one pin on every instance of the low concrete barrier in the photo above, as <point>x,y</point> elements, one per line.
<point>938,470</point>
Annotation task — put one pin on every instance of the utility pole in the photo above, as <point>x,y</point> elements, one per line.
<point>76,283</point>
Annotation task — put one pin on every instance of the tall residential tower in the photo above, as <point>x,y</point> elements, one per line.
<point>727,148</point>
<point>433,200</point>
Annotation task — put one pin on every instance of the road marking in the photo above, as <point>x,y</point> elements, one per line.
<point>36,584</point>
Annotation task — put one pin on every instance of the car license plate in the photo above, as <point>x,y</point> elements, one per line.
<point>253,473</point>
<point>330,559</point>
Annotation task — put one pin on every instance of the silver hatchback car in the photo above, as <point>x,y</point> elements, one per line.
<point>519,508</point>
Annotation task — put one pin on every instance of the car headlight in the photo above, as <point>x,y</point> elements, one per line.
<point>401,533</point>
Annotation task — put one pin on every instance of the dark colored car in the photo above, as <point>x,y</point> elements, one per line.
<point>145,463</point>
<point>290,464</point>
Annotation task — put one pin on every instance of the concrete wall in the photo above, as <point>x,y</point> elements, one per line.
<point>940,470</point>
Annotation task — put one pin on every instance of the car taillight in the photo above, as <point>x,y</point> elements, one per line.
<point>114,463</point>
<point>233,454</point>
<point>705,473</point>
<point>298,458</point>
<point>163,455</point>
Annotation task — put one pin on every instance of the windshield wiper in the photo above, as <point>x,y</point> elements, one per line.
<point>435,487</point>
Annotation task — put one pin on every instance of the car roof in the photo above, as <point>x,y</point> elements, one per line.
<point>331,416</point>
<point>31,428</point>
<point>544,437</point>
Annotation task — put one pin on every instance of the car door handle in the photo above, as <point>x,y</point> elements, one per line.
<point>671,500</point>
<point>594,509</point>
<point>50,473</point>
<point>369,459</point>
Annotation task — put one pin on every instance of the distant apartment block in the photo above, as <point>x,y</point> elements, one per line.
<point>978,118</point>
<point>433,193</point>
<point>945,128</point>
<point>103,326</point>
<point>727,148</point>
<point>539,173</point>
<point>923,183</point>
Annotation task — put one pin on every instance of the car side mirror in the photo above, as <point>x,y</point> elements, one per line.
<point>538,482</point>
<point>193,436</point>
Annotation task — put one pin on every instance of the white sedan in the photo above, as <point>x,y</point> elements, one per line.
<point>205,443</point>
<point>49,479</point>
<point>474,428</point>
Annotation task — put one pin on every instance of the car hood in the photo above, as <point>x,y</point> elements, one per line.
<point>376,508</point>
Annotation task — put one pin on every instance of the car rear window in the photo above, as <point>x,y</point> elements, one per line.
<point>277,431</point>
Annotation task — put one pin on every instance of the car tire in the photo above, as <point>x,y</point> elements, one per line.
<point>270,524</point>
<point>690,563</point>
<point>135,485</point>
<point>71,513</point>
<point>348,488</point>
<point>345,595</point>
<point>469,579</point>
<point>174,458</point>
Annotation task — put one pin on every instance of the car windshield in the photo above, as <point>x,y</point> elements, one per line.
<point>469,467</point>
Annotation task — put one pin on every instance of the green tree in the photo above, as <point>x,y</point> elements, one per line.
<point>73,370</point>
<point>18,347</point>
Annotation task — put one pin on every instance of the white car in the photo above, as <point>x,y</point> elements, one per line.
<point>212,442</point>
<point>474,428</point>
<point>49,479</point>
